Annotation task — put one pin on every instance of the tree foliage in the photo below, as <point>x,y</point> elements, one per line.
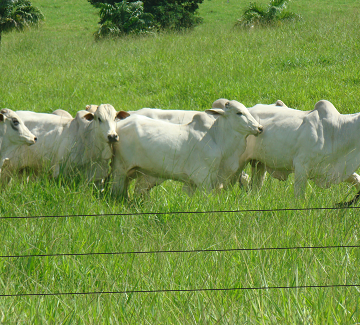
<point>258,15</point>
<point>18,15</point>
<point>174,14</point>
<point>123,17</point>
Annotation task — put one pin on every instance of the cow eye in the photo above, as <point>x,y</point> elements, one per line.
<point>15,122</point>
<point>239,113</point>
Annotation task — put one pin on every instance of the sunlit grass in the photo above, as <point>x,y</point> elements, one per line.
<point>60,66</point>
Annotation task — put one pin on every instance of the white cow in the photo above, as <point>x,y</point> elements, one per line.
<point>203,153</point>
<point>145,182</point>
<point>13,134</point>
<point>67,144</point>
<point>321,144</point>
<point>244,179</point>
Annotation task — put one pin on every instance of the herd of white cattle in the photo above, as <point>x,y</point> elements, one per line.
<point>207,150</point>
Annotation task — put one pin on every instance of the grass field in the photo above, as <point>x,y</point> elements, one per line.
<point>60,65</point>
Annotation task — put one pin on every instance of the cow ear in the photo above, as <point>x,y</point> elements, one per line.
<point>88,116</point>
<point>121,115</point>
<point>280,103</point>
<point>91,108</point>
<point>215,111</point>
<point>3,112</point>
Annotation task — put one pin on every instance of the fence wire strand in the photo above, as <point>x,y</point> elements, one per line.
<point>178,290</point>
<point>181,251</point>
<point>134,214</point>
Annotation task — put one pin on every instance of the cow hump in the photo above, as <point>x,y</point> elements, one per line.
<point>325,109</point>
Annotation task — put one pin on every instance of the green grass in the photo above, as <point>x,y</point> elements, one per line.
<point>60,66</point>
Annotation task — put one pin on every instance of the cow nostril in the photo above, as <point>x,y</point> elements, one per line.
<point>35,139</point>
<point>260,128</point>
<point>113,137</point>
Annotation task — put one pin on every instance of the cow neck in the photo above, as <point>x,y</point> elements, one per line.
<point>76,137</point>
<point>5,146</point>
<point>229,141</point>
<point>4,141</point>
<point>87,142</point>
<point>348,131</point>
<point>2,136</point>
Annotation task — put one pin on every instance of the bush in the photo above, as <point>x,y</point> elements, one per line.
<point>117,18</point>
<point>123,18</point>
<point>18,15</point>
<point>257,15</point>
<point>174,14</point>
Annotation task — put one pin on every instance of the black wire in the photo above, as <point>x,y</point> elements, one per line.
<point>183,212</point>
<point>181,251</point>
<point>176,290</point>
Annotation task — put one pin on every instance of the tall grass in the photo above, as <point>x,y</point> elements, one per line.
<point>61,66</point>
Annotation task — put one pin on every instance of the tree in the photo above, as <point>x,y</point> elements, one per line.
<point>18,15</point>
<point>174,14</point>
<point>123,18</point>
<point>159,14</point>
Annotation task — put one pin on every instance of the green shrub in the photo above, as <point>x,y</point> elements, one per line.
<point>118,18</point>
<point>174,14</point>
<point>17,15</point>
<point>123,18</point>
<point>257,15</point>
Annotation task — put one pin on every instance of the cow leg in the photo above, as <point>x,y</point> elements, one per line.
<point>300,182</point>
<point>258,172</point>
<point>189,189</point>
<point>56,171</point>
<point>120,184</point>
<point>206,180</point>
<point>354,179</point>
<point>120,187</point>
<point>244,180</point>
<point>4,176</point>
<point>145,183</point>
<point>98,173</point>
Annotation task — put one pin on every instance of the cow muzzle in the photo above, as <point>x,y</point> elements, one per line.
<point>259,130</point>
<point>31,141</point>
<point>113,138</point>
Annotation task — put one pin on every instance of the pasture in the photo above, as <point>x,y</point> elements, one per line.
<point>60,65</point>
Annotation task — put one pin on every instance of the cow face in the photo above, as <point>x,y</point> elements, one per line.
<point>15,129</point>
<point>104,119</point>
<point>238,117</point>
<point>243,121</point>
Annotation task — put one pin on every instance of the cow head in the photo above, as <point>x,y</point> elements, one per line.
<point>16,131</point>
<point>104,120</point>
<point>238,117</point>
